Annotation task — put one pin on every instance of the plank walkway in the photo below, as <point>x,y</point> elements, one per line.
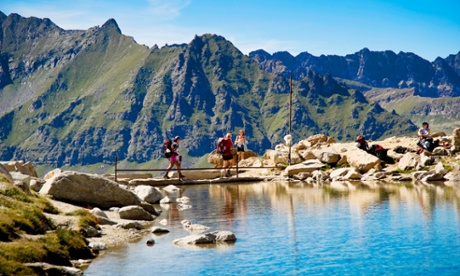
<point>185,181</point>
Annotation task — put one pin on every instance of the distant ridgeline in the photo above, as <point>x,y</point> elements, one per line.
<point>82,97</point>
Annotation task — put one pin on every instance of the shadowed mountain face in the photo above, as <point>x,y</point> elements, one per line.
<point>377,69</point>
<point>82,97</point>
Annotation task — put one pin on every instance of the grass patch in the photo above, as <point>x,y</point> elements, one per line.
<point>86,218</point>
<point>399,171</point>
<point>56,248</point>
<point>21,213</point>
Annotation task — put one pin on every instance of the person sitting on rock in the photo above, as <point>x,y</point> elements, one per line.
<point>425,141</point>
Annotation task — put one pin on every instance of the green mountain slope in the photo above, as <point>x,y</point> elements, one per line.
<point>84,97</point>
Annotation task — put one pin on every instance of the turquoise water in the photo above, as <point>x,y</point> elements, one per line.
<point>297,229</point>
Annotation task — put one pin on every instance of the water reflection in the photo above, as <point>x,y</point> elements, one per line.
<point>294,228</point>
<point>361,196</point>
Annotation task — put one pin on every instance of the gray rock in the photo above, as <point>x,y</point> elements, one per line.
<point>453,176</point>
<point>158,230</point>
<point>90,232</point>
<point>105,221</point>
<point>36,184</point>
<point>88,189</point>
<point>328,156</point>
<point>440,151</point>
<point>439,169</point>
<point>409,161</point>
<point>134,213</point>
<point>20,166</point>
<point>307,166</point>
<point>149,208</point>
<point>345,174</point>
<point>22,181</point>
<point>425,160</point>
<point>130,225</point>
<point>97,245</point>
<point>98,212</point>
<point>207,238</point>
<point>148,194</point>
<point>49,269</point>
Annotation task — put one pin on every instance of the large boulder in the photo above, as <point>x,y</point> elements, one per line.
<point>361,160</point>
<point>148,194</point>
<point>134,213</point>
<point>20,166</point>
<point>456,138</point>
<point>88,189</point>
<point>207,238</point>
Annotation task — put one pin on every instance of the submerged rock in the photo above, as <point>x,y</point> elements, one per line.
<point>207,238</point>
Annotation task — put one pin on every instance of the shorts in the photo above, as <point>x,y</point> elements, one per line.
<point>227,157</point>
<point>173,158</point>
<point>240,148</point>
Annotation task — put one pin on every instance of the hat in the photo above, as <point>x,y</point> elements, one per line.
<point>176,138</point>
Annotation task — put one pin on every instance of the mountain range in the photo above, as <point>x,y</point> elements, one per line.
<point>77,97</point>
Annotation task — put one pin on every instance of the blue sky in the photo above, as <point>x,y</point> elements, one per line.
<point>426,28</point>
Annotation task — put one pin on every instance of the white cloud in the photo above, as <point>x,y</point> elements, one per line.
<point>167,10</point>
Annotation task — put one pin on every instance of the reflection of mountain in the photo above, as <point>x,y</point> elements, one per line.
<point>361,197</point>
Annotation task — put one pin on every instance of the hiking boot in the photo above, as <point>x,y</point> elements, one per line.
<point>166,176</point>
<point>181,176</point>
<point>228,174</point>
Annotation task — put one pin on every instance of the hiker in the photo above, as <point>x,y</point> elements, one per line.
<point>376,150</point>
<point>240,143</point>
<point>362,143</point>
<point>174,159</point>
<point>425,141</point>
<point>226,146</point>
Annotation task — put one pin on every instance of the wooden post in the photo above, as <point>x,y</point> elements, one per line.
<point>116,169</point>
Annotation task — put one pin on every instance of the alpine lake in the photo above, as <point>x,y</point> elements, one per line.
<point>292,228</point>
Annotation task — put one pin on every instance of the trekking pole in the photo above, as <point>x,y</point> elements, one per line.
<point>116,163</point>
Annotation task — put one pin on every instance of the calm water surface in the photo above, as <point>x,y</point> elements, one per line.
<point>297,229</point>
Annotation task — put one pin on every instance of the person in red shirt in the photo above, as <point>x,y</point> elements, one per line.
<point>227,154</point>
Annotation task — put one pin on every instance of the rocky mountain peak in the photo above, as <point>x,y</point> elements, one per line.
<point>111,24</point>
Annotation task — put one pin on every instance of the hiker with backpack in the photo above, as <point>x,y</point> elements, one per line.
<point>376,150</point>
<point>225,147</point>
<point>170,150</point>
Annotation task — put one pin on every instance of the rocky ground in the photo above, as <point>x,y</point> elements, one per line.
<point>126,213</point>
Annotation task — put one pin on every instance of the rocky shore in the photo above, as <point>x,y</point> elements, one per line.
<point>126,213</point>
